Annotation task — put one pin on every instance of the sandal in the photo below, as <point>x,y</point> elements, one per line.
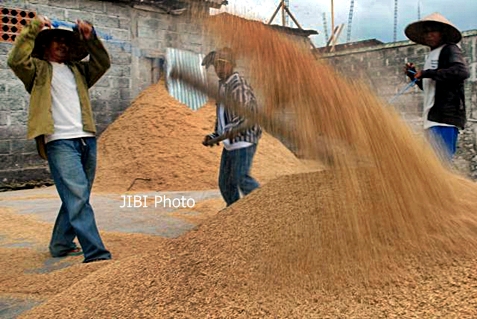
<point>77,251</point>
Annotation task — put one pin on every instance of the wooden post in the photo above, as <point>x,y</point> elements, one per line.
<point>283,13</point>
<point>293,18</point>
<point>335,38</point>
<point>332,16</point>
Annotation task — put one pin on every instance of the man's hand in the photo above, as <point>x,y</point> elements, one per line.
<point>410,70</point>
<point>418,75</point>
<point>85,29</point>
<point>207,138</point>
<point>44,21</point>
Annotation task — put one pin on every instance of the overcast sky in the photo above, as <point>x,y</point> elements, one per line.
<point>371,18</point>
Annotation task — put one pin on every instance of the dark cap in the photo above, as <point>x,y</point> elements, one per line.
<point>224,54</point>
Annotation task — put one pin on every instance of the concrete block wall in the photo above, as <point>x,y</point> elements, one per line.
<point>381,67</point>
<point>139,39</point>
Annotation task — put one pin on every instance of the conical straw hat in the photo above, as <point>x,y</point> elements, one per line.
<point>416,31</point>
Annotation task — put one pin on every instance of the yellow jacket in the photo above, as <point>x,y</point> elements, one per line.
<point>36,75</point>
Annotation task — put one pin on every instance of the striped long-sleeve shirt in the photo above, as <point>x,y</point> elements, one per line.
<point>236,86</point>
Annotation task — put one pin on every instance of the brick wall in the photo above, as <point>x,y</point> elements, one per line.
<point>138,40</point>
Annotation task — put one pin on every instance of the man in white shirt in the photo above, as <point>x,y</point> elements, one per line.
<point>48,61</point>
<point>242,138</point>
<point>442,81</point>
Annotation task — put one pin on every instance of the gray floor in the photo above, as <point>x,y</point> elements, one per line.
<point>152,217</point>
<point>148,217</point>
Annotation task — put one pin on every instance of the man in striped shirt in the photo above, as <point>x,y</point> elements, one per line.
<point>242,134</point>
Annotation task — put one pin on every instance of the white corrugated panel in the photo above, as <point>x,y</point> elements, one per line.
<point>184,93</point>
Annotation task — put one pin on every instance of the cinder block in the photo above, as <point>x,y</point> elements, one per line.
<point>105,81</point>
<point>125,23</point>
<point>102,117</point>
<point>147,32</point>
<point>105,21</point>
<point>13,132</point>
<point>3,60</point>
<point>30,160</point>
<point>19,117</point>
<point>122,83</point>
<point>121,59</point>
<point>7,162</point>
<point>44,2</point>
<point>12,103</point>
<point>149,43</point>
<point>5,147</point>
<point>120,10</point>
<point>119,70</point>
<point>125,94</point>
<point>5,48</point>
<point>105,94</point>
<point>118,106</point>
<point>70,4</point>
<point>73,15</point>
<point>172,40</point>
<point>94,6</point>
<point>152,24</point>
<point>14,89</point>
<point>54,13</point>
<point>23,146</point>
<point>100,128</point>
<point>116,34</point>
<point>5,119</point>
<point>99,106</point>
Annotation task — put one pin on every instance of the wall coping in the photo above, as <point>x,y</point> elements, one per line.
<point>385,46</point>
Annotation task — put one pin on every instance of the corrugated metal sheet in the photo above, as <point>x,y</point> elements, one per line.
<point>190,61</point>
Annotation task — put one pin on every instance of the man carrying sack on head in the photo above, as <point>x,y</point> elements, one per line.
<point>241,136</point>
<point>442,81</point>
<point>48,62</point>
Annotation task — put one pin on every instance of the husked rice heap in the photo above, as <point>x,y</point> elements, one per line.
<point>156,145</point>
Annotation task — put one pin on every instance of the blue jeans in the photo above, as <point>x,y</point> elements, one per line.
<point>444,140</point>
<point>73,165</point>
<point>234,173</point>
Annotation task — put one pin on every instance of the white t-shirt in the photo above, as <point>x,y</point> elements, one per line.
<point>429,88</point>
<point>65,105</point>
<point>221,129</point>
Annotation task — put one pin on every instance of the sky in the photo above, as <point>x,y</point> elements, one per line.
<point>372,19</point>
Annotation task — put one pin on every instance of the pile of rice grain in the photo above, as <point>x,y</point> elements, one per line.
<point>156,145</point>
<point>395,237</point>
<point>272,255</point>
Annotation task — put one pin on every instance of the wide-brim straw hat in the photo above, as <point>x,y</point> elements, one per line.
<point>77,49</point>
<point>416,31</point>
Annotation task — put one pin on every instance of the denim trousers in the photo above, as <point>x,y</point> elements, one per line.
<point>73,165</point>
<point>444,141</point>
<point>234,174</point>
